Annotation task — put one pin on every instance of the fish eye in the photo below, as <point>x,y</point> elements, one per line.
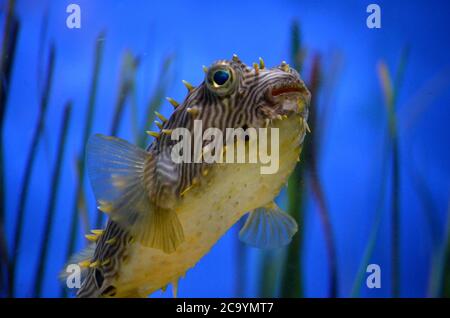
<point>220,77</point>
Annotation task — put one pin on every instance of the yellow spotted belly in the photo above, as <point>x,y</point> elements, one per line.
<point>207,211</point>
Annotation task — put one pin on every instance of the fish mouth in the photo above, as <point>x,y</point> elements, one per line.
<point>289,98</point>
<point>292,89</point>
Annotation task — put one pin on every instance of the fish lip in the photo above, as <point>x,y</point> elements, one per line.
<point>295,89</point>
<point>289,90</point>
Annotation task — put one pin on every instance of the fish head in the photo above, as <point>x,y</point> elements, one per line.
<point>252,96</point>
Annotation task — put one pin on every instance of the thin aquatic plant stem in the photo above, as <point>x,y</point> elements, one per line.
<point>291,279</point>
<point>446,277</point>
<point>28,170</point>
<point>395,219</point>
<point>390,90</point>
<point>129,65</point>
<point>319,195</point>
<point>9,41</point>
<point>49,216</point>
<point>291,276</point>
<point>431,214</point>
<point>127,78</point>
<point>316,185</point>
<point>368,251</point>
<point>156,99</point>
<point>74,219</point>
<point>396,226</point>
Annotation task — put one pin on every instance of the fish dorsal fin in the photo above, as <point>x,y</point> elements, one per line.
<point>268,227</point>
<point>118,174</point>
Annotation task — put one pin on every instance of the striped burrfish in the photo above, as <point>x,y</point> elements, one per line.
<point>164,215</point>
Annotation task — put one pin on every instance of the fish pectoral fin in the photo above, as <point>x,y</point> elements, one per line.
<point>117,171</point>
<point>268,227</point>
